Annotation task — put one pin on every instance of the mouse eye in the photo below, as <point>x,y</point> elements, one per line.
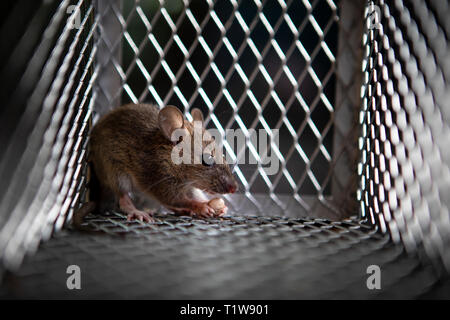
<point>208,160</point>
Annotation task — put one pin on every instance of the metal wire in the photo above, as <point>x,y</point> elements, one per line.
<point>235,257</point>
<point>248,65</point>
<point>404,169</point>
<point>43,163</point>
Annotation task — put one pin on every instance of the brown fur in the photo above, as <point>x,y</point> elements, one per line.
<point>129,152</point>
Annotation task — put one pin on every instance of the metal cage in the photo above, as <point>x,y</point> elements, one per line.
<point>247,65</point>
<point>355,91</point>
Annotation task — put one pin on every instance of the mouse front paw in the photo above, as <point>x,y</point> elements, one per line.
<point>222,211</point>
<point>203,210</point>
<point>213,208</point>
<point>195,209</point>
<point>210,209</point>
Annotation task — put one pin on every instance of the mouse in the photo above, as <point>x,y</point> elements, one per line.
<point>131,151</point>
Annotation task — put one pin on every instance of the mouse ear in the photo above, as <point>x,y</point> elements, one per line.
<point>170,118</point>
<point>197,115</point>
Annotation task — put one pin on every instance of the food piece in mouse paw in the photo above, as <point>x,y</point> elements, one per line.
<point>216,203</point>
<point>219,206</point>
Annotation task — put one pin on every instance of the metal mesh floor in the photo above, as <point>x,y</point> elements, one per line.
<point>234,257</point>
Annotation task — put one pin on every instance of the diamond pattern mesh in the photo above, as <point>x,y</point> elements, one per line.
<point>48,75</point>
<point>289,65</point>
<point>248,65</point>
<point>233,258</point>
<point>404,170</point>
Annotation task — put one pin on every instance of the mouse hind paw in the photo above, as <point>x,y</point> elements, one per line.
<point>142,216</point>
<point>127,206</point>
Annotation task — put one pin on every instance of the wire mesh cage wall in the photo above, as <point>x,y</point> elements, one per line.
<point>404,167</point>
<point>249,66</point>
<point>292,66</point>
<point>48,93</point>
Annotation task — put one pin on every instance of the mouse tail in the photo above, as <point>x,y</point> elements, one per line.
<point>94,204</point>
<point>91,206</point>
<point>83,211</point>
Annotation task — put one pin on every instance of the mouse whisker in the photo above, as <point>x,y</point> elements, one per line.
<point>187,184</point>
<point>159,181</point>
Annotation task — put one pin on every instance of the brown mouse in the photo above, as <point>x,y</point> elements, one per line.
<point>131,150</point>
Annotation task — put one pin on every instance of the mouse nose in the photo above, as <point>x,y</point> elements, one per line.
<point>230,186</point>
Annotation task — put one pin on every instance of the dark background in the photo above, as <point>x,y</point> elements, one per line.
<point>272,114</point>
